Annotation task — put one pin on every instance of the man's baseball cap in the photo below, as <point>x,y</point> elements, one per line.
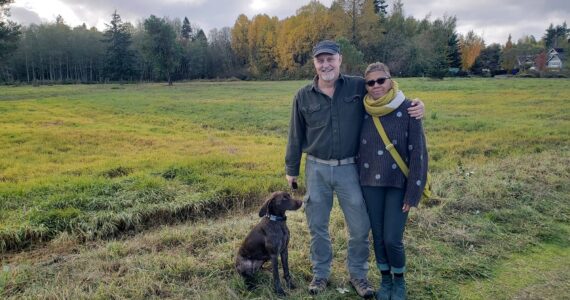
<point>326,46</point>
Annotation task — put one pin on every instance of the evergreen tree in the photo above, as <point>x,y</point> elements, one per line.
<point>199,60</point>
<point>352,58</point>
<point>160,46</point>
<point>489,59</point>
<point>9,32</point>
<point>186,31</point>
<point>454,56</point>
<point>119,58</point>
<point>555,36</point>
<point>380,7</point>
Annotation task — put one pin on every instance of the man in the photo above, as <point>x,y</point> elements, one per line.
<point>325,123</point>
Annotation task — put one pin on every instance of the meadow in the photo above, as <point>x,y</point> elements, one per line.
<point>145,191</point>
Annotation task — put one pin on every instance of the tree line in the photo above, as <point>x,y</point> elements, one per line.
<point>263,47</point>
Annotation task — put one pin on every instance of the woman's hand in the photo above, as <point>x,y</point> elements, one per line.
<point>417,110</point>
<point>406,208</point>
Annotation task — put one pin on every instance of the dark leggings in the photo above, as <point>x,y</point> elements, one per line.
<point>387,221</point>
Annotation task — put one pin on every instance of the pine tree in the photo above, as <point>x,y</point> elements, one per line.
<point>453,50</point>
<point>9,32</point>
<point>120,59</point>
<point>160,46</point>
<point>380,7</point>
<point>186,31</point>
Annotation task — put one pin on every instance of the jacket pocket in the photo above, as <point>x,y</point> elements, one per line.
<point>315,115</point>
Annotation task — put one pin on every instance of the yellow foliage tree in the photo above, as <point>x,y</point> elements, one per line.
<point>239,41</point>
<point>298,34</point>
<point>262,40</point>
<point>470,46</point>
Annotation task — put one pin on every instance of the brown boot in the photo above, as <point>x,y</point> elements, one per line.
<point>362,287</point>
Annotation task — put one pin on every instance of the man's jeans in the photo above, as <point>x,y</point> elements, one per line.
<point>322,180</point>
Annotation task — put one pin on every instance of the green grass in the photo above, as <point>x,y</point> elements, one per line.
<point>84,162</point>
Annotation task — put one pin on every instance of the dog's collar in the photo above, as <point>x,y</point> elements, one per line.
<point>276,218</point>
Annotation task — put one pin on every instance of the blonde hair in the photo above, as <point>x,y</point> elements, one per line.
<point>375,67</point>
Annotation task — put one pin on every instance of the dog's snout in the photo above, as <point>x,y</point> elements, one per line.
<point>297,204</point>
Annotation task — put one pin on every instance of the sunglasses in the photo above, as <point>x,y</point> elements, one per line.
<point>380,81</point>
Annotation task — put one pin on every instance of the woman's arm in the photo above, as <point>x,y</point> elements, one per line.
<point>418,163</point>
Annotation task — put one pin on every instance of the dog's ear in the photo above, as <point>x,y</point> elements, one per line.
<point>266,205</point>
<point>263,209</point>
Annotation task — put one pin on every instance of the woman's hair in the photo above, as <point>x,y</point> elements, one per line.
<point>375,67</point>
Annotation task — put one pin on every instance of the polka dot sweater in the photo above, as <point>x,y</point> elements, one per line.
<point>376,165</point>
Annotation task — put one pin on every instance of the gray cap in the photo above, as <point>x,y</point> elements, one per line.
<point>326,46</point>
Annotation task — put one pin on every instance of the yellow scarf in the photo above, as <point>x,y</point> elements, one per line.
<point>378,107</point>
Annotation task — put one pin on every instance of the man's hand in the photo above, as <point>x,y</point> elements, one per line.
<point>417,110</point>
<point>406,208</point>
<point>291,180</point>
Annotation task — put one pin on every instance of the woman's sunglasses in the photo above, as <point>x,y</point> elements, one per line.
<point>380,81</point>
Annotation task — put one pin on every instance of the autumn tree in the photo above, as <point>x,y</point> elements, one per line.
<point>471,46</point>
<point>239,41</point>
<point>370,30</point>
<point>540,61</point>
<point>262,39</point>
<point>508,56</point>
<point>298,34</point>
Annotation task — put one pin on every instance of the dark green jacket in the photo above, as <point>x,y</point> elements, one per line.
<point>324,127</point>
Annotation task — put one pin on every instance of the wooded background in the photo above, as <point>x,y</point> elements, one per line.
<point>263,47</point>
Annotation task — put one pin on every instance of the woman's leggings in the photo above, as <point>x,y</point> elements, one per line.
<point>387,221</point>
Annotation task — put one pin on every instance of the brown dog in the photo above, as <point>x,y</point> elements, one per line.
<point>268,239</point>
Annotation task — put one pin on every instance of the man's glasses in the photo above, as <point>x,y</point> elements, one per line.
<point>380,81</point>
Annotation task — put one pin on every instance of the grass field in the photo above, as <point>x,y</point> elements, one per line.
<point>89,167</point>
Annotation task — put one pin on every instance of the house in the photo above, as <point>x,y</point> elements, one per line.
<point>554,59</point>
<point>525,62</point>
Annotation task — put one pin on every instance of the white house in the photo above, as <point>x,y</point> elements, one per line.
<point>554,59</point>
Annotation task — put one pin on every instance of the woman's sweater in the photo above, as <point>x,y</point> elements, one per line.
<point>376,165</point>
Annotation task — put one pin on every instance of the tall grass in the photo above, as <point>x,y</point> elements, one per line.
<point>99,160</point>
<point>498,211</point>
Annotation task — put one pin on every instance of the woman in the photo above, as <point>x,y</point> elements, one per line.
<point>388,193</point>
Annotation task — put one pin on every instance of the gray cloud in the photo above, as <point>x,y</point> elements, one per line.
<point>495,20</point>
<point>492,19</point>
<point>24,16</point>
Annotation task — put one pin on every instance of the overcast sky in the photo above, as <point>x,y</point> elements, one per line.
<point>491,19</point>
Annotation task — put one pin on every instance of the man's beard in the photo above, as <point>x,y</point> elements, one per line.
<point>328,76</point>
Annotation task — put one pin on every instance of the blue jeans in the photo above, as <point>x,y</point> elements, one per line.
<point>388,222</point>
<point>322,180</point>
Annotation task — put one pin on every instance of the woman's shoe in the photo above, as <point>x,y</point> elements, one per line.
<point>385,288</point>
<point>398,288</point>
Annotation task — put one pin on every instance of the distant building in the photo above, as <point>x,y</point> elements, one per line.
<point>554,59</point>
<point>525,62</point>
